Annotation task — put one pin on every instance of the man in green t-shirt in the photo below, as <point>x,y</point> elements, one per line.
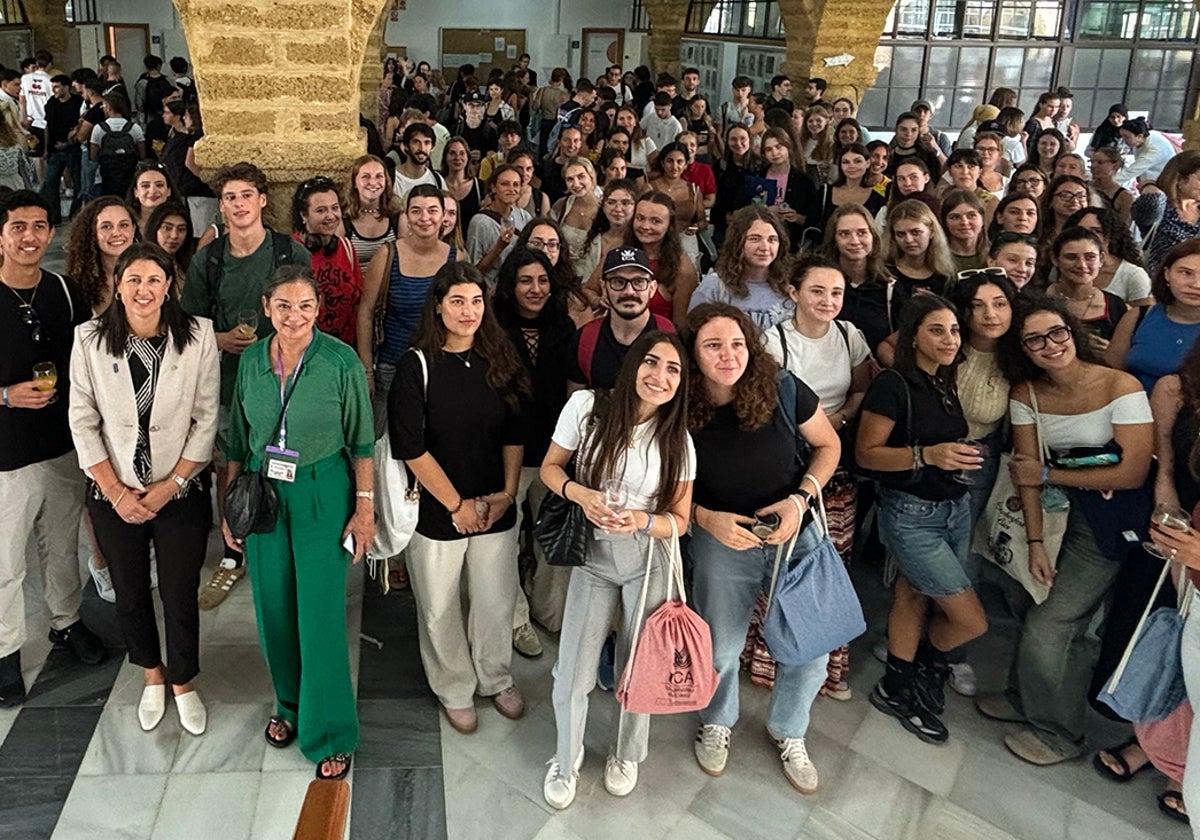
<point>225,282</point>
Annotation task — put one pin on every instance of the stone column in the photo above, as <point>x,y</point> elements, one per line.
<point>48,20</point>
<point>844,27</point>
<point>667,21</point>
<point>280,86</point>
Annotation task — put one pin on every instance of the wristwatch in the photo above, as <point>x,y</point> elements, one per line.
<point>365,494</point>
<point>178,479</point>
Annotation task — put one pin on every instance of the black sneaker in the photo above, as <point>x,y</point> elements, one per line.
<point>905,707</point>
<point>931,686</point>
<point>12,686</point>
<point>83,644</point>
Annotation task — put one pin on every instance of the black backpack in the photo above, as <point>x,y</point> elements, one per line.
<point>117,158</point>
<point>214,264</point>
<point>158,88</point>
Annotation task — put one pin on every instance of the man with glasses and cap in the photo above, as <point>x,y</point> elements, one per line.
<point>41,485</point>
<point>600,346</point>
<point>225,282</point>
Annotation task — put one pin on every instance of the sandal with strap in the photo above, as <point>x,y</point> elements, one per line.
<point>1117,754</point>
<point>343,758</point>
<point>285,741</point>
<point>1170,802</point>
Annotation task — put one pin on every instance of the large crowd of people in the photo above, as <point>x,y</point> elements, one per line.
<point>749,324</point>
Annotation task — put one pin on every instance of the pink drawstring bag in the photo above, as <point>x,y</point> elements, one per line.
<point>671,666</point>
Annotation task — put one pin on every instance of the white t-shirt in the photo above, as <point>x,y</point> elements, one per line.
<point>1129,282</point>
<point>402,184</point>
<point>116,124</point>
<point>642,461</point>
<point>661,131</point>
<point>824,364</point>
<point>35,87</point>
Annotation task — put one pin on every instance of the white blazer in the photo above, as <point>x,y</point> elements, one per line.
<point>103,408</point>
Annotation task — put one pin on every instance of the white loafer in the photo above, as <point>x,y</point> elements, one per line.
<point>152,706</point>
<point>192,715</point>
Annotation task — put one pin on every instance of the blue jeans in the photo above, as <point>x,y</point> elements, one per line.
<point>89,170</point>
<point>930,540</point>
<point>725,583</point>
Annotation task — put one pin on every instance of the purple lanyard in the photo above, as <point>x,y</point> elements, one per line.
<point>284,399</point>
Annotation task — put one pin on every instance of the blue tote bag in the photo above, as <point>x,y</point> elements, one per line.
<point>812,606</point>
<point>1147,684</point>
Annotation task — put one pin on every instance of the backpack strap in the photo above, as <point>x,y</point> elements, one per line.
<point>787,399</point>
<point>214,268</point>
<point>783,343</point>
<point>67,294</point>
<point>281,244</point>
<point>589,337</point>
<point>663,323</point>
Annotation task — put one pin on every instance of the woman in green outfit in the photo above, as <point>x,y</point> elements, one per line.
<point>322,474</point>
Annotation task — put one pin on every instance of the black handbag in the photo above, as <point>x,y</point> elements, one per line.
<point>251,505</point>
<point>562,531</point>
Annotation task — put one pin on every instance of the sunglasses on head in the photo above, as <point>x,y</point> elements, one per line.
<point>990,271</point>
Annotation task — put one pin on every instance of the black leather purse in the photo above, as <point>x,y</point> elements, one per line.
<point>562,531</point>
<point>251,505</point>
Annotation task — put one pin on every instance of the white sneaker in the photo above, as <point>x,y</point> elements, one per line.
<point>797,766</point>
<point>103,579</point>
<point>620,776</point>
<point>559,790</point>
<point>712,748</point>
<point>962,679</point>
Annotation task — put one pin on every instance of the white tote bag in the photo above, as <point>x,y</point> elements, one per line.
<point>396,501</point>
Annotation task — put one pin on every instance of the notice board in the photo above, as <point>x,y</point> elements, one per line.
<point>485,48</point>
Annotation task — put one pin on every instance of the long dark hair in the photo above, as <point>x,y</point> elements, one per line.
<point>508,315</point>
<point>505,373</point>
<point>670,250</point>
<point>113,327</point>
<point>963,297</point>
<point>1016,366</point>
<point>1120,240</point>
<point>916,310</point>
<point>143,167</point>
<point>183,257</point>
<point>1159,286</point>
<point>756,393</point>
<point>85,263</point>
<point>1189,392</point>
<point>562,274</point>
<point>601,224</point>
<point>608,445</point>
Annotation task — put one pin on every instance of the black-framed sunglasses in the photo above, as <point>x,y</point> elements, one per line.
<point>1059,335</point>
<point>319,182</point>
<point>1009,237</point>
<point>29,318</point>
<point>990,271</point>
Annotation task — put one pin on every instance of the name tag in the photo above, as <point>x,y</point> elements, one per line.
<point>282,463</point>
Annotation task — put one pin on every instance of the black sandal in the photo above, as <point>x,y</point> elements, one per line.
<point>344,758</point>
<point>1175,796</point>
<point>1115,753</point>
<point>285,741</point>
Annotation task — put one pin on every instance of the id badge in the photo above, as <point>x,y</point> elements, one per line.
<point>282,463</point>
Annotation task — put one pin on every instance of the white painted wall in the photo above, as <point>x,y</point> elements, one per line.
<point>546,23</point>
<point>160,15</point>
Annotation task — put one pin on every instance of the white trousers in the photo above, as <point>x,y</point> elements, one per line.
<point>44,500</point>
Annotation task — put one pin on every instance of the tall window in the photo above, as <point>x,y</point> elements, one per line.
<point>641,20</point>
<point>749,19</point>
<point>12,13</point>
<point>955,52</point>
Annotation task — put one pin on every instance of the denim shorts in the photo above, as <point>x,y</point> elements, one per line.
<point>930,540</point>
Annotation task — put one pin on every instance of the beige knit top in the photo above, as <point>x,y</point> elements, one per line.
<point>983,392</point>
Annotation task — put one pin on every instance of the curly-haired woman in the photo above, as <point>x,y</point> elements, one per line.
<point>100,233</point>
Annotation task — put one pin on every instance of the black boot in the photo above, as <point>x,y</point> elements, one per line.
<point>932,671</point>
<point>81,642</point>
<point>896,695</point>
<point>12,686</point>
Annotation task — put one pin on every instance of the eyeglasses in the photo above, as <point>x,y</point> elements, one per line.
<point>1029,182</point>
<point>618,284</point>
<point>29,318</point>
<point>1058,335</point>
<point>987,150</point>
<point>1072,197</point>
<point>990,271</point>
<point>543,244</point>
<point>618,202</point>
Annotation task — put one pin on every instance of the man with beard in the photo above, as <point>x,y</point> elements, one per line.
<point>600,346</point>
<point>418,142</point>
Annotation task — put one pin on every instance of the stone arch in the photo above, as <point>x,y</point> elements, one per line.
<point>838,27</point>
<point>282,84</point>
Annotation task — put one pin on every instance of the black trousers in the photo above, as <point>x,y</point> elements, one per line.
<point>180,538</point>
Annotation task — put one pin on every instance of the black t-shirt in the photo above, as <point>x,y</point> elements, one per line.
<point>866,306</point>
<point>462,423</point>
<point>606,361</point>
<point>900,155</point>
<point>61,118</point>
<point>908,286</point>
<point>95,114</point>
<point>29,436</point>
<point>174,157</point>
<point>740,471</point>
<point>936,419</point>
<point>482,139</point>
<point>782,104</point>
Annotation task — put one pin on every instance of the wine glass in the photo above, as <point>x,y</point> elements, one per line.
<point>1168,516</point>
<point>248,322</point>
<point>615,495</point>
<point>45,377</point>
<point>964,476</point>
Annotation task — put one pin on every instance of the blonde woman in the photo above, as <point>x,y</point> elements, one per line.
<point>576,211</point>
<point>915,249</point>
